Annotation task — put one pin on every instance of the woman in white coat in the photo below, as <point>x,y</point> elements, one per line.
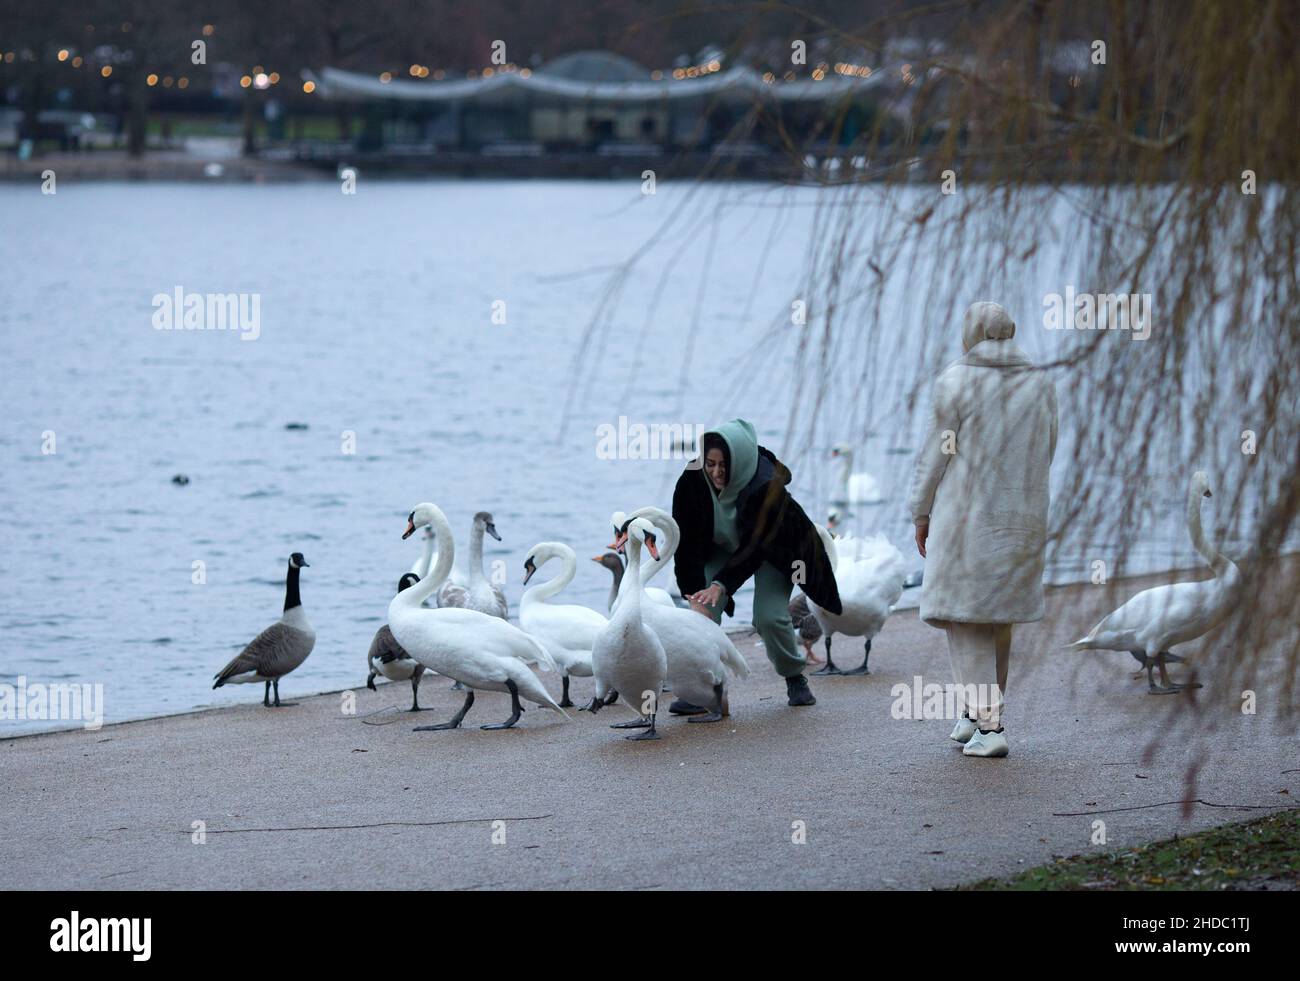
<point>979,501</point>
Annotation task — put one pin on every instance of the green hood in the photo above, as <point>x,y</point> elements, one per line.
<point>742,444</point>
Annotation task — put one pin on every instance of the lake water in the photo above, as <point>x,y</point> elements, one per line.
<point>376,320</point>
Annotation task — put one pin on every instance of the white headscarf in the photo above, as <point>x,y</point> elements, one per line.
<point>986,321</point>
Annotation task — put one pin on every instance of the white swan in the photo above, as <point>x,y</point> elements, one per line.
<point>421,566</point>
<point>481,652</point>
<point>387,657</point>
<point>698,650</point>
<point>651,568</point>
<point>628,657</point>
<point>566,630</point>
<point>477,592</point>
<point>1159,618</point>
<point>853,488</point>
<point>869,574</point>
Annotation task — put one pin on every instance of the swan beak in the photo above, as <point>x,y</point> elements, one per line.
<point>410,530</point>
<point>650,547</point>
<point>492,530</point>
<point>529,569</point>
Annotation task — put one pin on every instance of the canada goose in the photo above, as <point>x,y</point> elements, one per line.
<point>279,648</point>
<point>806,627</point>
<point>387,657</point>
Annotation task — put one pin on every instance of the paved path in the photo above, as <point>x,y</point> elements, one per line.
<point>311,797</point>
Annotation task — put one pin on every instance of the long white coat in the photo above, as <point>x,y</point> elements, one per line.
<point>982,479</point>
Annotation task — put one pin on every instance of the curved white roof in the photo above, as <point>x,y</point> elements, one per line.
<point>742,82</point>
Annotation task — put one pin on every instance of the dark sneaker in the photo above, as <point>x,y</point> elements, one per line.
<point>798,690</point>
<point>681,706</point>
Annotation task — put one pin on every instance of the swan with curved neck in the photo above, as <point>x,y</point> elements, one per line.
<point>869,574</point>
<point>672,537</point>
<point>627,656</point>
<point>699,651</point>
<point>483,653</point>
<point>853,488</point>
<point>1156,619</point>
<point>566,630</point>
<point>477,592</point>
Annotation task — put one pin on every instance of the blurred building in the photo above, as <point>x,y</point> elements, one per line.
<point>601,102</point>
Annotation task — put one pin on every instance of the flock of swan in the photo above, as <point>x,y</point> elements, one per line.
<point>649,643</point>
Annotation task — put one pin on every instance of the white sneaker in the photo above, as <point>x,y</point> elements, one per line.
<point>986,744</point>
<point>963,730</point>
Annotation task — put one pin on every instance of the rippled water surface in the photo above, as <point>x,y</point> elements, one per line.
<point>376,320</point>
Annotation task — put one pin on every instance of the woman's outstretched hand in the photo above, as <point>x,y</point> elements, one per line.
<point>704,599</point>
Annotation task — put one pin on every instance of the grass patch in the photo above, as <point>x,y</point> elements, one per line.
<point>1259,854</point>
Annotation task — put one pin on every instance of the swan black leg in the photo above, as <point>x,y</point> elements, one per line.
<point>650,733</point>
<point>564,700</point>
<point>866,656</point>
<point>1166,686</point>
<point>515,709</point>
<point>714,714</point>
<point>830,665</point>
<point>415,694</point>
<point>596,703</point>
<point>455,720</point>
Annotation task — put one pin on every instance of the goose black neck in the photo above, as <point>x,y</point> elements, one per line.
<point>291,597</point>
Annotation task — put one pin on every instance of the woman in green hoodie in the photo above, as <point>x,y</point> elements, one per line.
<point>738,521</point>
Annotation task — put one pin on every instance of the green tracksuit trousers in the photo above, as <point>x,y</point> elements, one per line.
<point>772,590</point>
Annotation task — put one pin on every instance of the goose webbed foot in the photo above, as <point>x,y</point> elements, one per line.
<point>277,703</point>
<point>650,733</point>
<point>516,709</point>
<point>455,720</point>
<point>415,695</point>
